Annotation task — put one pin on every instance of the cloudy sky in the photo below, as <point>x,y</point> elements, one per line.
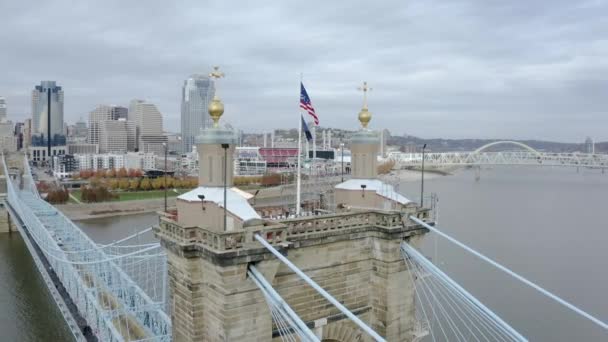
<point>482,69</point>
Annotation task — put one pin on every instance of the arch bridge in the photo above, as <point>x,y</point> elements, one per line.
<point>523,155</point>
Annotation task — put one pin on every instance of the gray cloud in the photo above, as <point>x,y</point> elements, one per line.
<point>452,69</point>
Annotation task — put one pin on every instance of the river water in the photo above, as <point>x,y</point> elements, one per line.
<point>548,224</point>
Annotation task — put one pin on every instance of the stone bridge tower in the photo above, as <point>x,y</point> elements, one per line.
<point>354,254</point>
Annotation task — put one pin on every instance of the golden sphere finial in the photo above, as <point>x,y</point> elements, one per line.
<point>216,107</point>
<point>364,115</point>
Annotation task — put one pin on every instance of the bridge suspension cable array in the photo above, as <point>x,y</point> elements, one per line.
<point>465,317</point>
<point>511,273</point>
<point>286,320</point>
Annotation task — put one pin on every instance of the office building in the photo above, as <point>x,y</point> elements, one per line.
<point>100,114</point>
<point>110,120</point>
<point>114,136</point>
<point>148,126</point>
<point>40,114</point>
<point>197,92</point>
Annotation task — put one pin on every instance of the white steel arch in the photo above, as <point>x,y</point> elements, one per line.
<point>506,142</point>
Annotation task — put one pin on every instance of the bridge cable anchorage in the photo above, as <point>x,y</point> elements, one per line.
<point>514,275</point>
<point>280,307</point>
<point>320,290</point>
<point>489,321</point>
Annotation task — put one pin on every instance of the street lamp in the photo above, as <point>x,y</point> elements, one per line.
<point>342,156</point>
<point>165,145</point>
<point>202,198</point>
<point>422,182</point>
<point>225,147</point>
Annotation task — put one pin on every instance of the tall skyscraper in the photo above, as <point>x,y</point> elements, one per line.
<point>2,109</point>
<point>197,92</point>
<point>148,125</point>
<point>96,117</point>
<point>40,110</point>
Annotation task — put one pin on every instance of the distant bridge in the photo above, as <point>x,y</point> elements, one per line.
<point>525,155</point>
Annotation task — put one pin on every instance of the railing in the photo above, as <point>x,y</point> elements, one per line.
<point>98,287</point>
<point>290,229</point>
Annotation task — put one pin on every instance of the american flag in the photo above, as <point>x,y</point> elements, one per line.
<point>306,105</point>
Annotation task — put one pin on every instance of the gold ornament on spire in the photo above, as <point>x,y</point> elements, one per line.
<point>216,107</point>
<point>364,115</point>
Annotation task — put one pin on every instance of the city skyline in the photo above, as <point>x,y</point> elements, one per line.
<point>537,74</point>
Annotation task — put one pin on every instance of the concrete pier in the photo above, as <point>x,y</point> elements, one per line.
<point>6,225</point>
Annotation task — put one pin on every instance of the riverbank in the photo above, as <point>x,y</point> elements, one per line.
<point>85,211</point>
<point>412,175</point>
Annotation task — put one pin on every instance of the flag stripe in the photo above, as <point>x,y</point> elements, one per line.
<point>307,105</point>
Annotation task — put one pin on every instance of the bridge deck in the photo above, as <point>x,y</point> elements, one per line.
<point>100,288</point>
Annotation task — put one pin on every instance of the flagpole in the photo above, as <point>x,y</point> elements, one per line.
<point>299,175</point>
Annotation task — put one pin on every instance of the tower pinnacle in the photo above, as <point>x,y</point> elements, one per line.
<point>364,115</point>
<point>216,107</point>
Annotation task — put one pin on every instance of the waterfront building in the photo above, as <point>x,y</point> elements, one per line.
<point>197,92</point>
<point>40,117</point>
<point>140,160</point>
<point>104,161</point>
<point>64,166</point>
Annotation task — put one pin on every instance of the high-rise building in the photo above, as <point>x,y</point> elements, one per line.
<point>197,92</point>
<point>40,116</point>
<point>589,145</point>
<point>27,133</point>
<point>8,142</point>
<point>119,112</point>
<point>148,126</point>
<point>2,109</point>
<point>19,126</point>
<point>118,123</point>
<point>116,136</point>
<point>98,115</point>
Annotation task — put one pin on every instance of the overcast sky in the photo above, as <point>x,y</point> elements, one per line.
<point>478,69</point>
